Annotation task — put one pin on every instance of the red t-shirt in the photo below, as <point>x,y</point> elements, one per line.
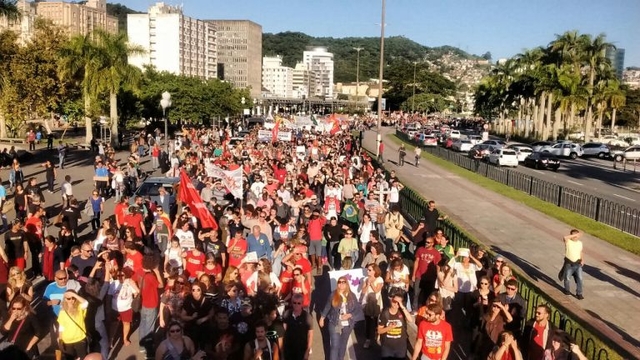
<point>135,221</point>
<point>296,288</point>
<point>280,175</point>
<point>305,264</point>
<point>217,269</point>
<point>286,277</point>
<point>426,259</point>
<point>536,350</point>
<point>433,338</point>
<point>119,212</point>
<point>193,263</point>
<point>237,251</point>
<point>134,261</point>
<point>149,292</point>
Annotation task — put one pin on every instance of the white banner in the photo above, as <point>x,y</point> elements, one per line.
<point>232,180</point>
<point>265,135</point>
<point>284,136</point>
<point>355,279</point>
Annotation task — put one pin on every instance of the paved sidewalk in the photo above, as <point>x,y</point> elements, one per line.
<point>532,241</point>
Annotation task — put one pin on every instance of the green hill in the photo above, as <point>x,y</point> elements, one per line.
<point>290,46</point>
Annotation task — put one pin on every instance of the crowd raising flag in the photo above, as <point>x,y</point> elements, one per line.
<point>190,197</point>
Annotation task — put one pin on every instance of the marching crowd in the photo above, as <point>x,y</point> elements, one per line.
<point>245,285</point>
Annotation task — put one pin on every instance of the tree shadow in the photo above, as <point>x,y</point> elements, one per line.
<point>624,271</point>
<point>631,340</point>
<point>598,274</point>
<point>319,297</point>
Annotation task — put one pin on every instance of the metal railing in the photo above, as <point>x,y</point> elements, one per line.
<point>616,215</point>
<point>594,346</point>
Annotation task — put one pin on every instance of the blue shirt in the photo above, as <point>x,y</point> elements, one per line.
<point>54,292</point>
<point>102,171</point>
<point>260,245</point>
<point>3,193</point>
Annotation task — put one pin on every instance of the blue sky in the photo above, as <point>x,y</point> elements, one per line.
<point>503,27</point>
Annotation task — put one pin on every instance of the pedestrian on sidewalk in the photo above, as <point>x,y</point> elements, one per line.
<point>573,262</point>
<point>417,151</point>
<point>402,152</point>
<point>380,151</point>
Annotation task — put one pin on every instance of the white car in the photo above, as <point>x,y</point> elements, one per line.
<point>475,139</point>
<point>613,140</point>
<point>495,143</point>
<point>596,149</point>
<point>538,145</point>
<point>430,140</point>
<point>522,150</point>
<point>455,134</point>
<point>566,149</point>
<point>504,157</point>
<point>630,154</point>
<point>461,145</point>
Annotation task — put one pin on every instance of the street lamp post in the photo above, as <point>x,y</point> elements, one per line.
<point>165,102</point>
<point>380,76</point>
<point>358,49</point>
<point>413,98</point>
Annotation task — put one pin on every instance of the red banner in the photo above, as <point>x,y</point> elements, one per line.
<point>190,197</point>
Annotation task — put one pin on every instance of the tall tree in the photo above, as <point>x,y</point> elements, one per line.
<point>594,53</point>
<point>9,9</point>
<point>114,72</point>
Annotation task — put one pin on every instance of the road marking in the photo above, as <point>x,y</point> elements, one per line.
<point>573,182</point>
<point>624,187</point>
<point>624,197</point>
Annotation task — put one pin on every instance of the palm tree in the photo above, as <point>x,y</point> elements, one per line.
<point>9,9</point>
<point>114,72</point>
<point>594,54</point>
<point>78,61</point>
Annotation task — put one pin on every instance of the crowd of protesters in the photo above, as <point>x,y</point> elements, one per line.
<point>246,288</point>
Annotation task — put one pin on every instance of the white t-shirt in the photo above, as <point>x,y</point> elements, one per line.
<point>367,290</point>
<point>467,280</point>
<point>187,241</point>
<point>398,276</point>
<point>366,231</point>
<point>394,195</point>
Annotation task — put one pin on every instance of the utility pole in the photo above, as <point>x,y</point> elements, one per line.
<point>358,49</point>
<point>380,77</point>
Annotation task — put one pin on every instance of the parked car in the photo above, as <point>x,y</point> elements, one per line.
<point>504,157</point>
<point>484,149</point>
<point>430,140</point>
<point>455,134</point>
<point>613,140</point>
<point>495,143</point>
<point>564,149</point>
<point>538,145</point>
<point>631,153</point>
<point>522,150</point>
<point>542,160</point>
<point>596,149</point>
<point>475,139</point>
<point>461,145</point>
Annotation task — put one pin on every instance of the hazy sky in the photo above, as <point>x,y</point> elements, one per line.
<point>503,27</point>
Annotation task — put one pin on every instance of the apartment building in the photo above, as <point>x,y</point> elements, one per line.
<point>76,18</point>
<point>277,79</point>
<point>239,44</point>
<point>320,61</point>
<point>306,83</point>
<point>173,42</point>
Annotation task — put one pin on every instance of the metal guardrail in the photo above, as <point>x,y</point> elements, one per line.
<point>606,211</point>
<point>586,336</point>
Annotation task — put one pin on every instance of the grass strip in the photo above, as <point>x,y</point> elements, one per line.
<point>613,236</point>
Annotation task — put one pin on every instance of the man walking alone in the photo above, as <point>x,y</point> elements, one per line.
<point>573,262</point>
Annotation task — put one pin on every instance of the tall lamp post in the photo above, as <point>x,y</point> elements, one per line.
<point>413,98</point>
<point>165,102</point>
<point>380,76</point>
<point>358,49</point>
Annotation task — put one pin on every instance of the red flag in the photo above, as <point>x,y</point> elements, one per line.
<point>190,197</point>
<point>336,124</point>
<point>276,129</point>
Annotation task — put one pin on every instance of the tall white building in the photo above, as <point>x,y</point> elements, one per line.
<point>320,61</point>
<point>277,79</point>
<point>306,83</point>
<point>173,42</point>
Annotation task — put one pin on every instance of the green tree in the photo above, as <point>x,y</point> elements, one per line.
<point>9,9</point>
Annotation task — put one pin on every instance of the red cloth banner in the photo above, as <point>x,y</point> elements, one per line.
<point>190,197</point>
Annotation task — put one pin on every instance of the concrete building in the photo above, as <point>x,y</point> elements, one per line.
<point>173,42</point>
<point>616,56</point>
<point>319,60</point>
<point>277,79</point>
<point>75,18</point>
<point>240,53</point>
<point>306,83</point>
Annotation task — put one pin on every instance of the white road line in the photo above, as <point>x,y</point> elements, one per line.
<point>624,197</point>
<point>573,182</point>
<point>624,187</point>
